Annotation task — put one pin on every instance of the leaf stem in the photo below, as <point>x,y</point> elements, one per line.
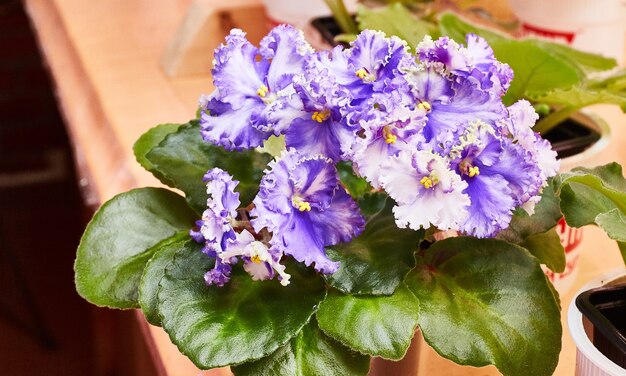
<point>552,120</point>
<point>342,16</point>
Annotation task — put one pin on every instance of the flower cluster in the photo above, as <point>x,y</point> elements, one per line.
<point>429,129</point>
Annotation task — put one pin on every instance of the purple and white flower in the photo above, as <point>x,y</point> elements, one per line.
<point>426,190</point>
<point>254,95</point>
<point>302,204</point>
<point>225,242</point>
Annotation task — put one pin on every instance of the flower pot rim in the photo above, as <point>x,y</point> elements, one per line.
<point>594,122</point>
<point>586,349</point>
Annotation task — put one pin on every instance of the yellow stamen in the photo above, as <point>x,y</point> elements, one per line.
<point>425,106</point>
<point>262,92</point>
<point>361,73</point>
<point>304,206</point>
<point>256,259</point>
<point>426,182</point>
<point>473,171</point>
<point>390,138</point>
<point>320,116</point>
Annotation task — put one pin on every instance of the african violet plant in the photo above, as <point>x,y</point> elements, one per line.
<point>336,201</point>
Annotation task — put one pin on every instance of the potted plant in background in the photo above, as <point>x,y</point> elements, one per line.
<point>319,189</point>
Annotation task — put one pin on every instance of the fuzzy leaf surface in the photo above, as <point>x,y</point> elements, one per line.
<point>396,19</point>
<point>376,261</point>
<point>486,301</point>
<point>311,352</point>
<point>153,273</point>
<point>149,140</point>
<point>374,325</point>
<point>183,158</point>
<point>242,321</point>
<point>119,240</point>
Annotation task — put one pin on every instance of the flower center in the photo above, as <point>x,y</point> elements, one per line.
<point>424,106</point>
<point>429,181</point>
<point>256,259</point>
<point>262,92</point>
<point>390,138</point>
<point>320,116</point>
<point>466,168</point>
<point>365,75</point>
<point>300,204</point>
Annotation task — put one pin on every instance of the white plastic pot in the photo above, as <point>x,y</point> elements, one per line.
<point>589,360</point>
<point>597,26</point>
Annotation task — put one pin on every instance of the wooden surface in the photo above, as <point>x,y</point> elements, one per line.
<point>104,57</point>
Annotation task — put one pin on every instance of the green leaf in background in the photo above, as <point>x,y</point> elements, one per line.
<point>584,61</point>
<point>372,203</point>
<point>311,352</point>
<point>184,157</point>
<point>242,321</point>
<point>456,28</point>
<point>486,301</point>
<point>573,99</point>
<point>155,270</point>
<point>375,325</point>
<point>119,240</point>
<point>595,196</point>
<point>396,19</point>
<point>536,70</point>
<point>356,186</point>
<point>376,261</point>
<point>534,231</point>
<point>579,97</point>
<point>147,141</point>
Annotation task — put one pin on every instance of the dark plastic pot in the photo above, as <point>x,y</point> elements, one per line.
<point>604,312</point>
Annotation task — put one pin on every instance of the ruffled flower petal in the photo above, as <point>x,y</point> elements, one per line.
<point>426,190</point>
<point>311,186</point>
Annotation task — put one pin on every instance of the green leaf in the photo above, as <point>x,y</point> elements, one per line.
<point>584,61</point>
<point>376,325</point>
<point>547,247</point>
<point>547,214</point>
<point>486,301</point>
<point>311,352</point>
<point>372,203</point>
<point>242,321</point>
<point>533,231</point>
<point>184,157</point>
<point>396,19</point>
<point>607,181</point>
<point>579,96</point>
<point>613,223</point>
<point>118,243</point>
<point>356,186</point>
<point>536,70</point>
<point>155,270</point>
<point>147,141</point>
<point>456,28</point>
<point>376,261</point>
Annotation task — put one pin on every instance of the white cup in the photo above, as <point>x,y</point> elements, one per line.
<point>597,26</point>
